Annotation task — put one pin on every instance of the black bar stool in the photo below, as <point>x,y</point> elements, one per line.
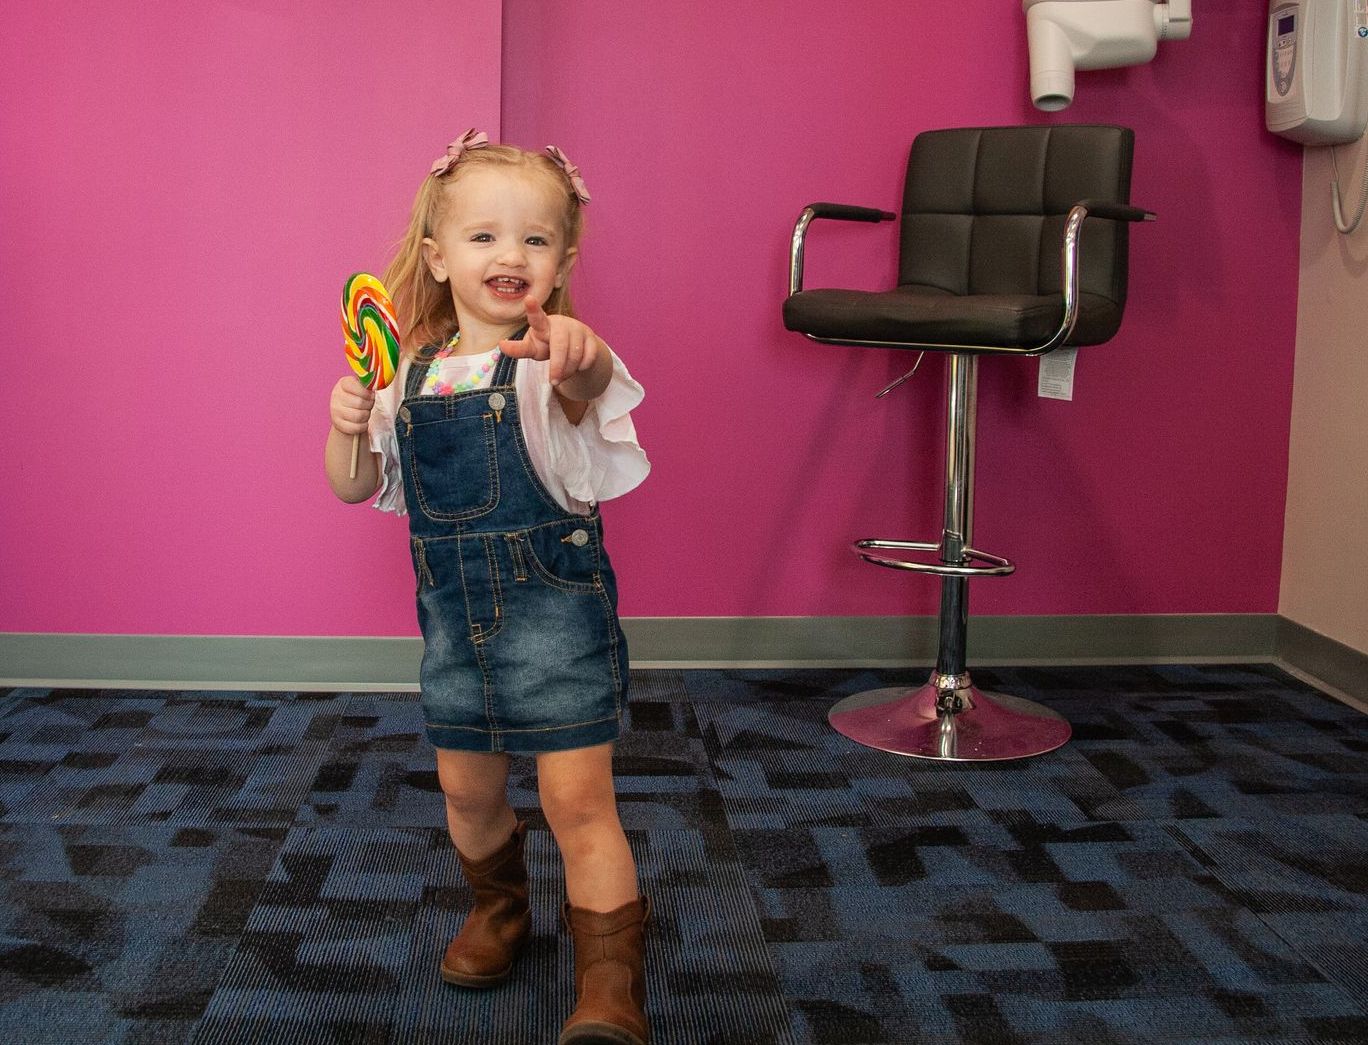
<point>1014,241</point>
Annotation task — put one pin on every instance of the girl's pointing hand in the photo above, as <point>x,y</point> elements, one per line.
<point>567,343</point>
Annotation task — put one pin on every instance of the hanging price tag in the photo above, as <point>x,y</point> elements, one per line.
<point>1055,380</point>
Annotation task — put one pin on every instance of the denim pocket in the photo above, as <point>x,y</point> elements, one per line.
<point>446,493</point>
<point>565,557</point>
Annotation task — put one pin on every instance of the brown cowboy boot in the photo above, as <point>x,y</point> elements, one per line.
<point>482,953</point>
<point>610,986</point>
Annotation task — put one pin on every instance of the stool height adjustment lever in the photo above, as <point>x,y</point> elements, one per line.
<point>895,384</point>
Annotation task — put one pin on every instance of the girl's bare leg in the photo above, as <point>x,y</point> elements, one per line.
<point>580,806</point>
<point>478,815</point>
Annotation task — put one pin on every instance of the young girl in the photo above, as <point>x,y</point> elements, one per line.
<point>507,422</point>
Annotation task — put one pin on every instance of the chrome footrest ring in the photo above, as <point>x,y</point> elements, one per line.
<point>993,565</point>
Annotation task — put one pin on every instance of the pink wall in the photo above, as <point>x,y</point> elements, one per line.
<point>186,187</point>
<point>185,193</point>
<point>704,128</point>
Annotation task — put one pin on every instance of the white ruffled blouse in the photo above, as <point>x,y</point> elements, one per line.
<point>580,465</point>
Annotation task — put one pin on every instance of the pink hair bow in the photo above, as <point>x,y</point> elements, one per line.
<point>571,172</point>
<point>472,139</point>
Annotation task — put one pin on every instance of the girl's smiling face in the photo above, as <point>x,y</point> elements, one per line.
<point>501,238</point>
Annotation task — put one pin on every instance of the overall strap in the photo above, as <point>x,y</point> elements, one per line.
<point>413,384</point>
<point>508,366</point>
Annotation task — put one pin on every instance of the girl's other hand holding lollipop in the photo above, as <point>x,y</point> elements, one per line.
<point>350,406</point>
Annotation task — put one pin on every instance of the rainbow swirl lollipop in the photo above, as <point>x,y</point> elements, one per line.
<point>372,336</point>
<point>371,330</point>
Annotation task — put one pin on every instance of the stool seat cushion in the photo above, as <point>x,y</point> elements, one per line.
<point>935,316</point>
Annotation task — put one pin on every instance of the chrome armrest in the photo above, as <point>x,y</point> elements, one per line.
<point>1068,263</point>
<point>839,211</point>
<point>1115,211</point>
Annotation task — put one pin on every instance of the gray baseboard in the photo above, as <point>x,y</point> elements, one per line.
<point>1326,661</point>
<point>908,641</point>
<point>230,662</point>
<point>237,662</point>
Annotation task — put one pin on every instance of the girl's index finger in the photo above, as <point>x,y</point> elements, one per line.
<point>537,321</point>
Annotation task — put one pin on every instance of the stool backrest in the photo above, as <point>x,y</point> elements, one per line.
<point>984,209</point>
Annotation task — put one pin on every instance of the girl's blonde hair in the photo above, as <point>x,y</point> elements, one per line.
<point>423,306</point>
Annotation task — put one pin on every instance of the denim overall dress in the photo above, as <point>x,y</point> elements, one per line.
<point>516,598</point>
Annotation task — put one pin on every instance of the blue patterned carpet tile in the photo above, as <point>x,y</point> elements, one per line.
<point>781,685</point>
<point>658,685</point>
<point>1061,935</point>
<point>1239,775</point>
<point>1087,868</point>
<point>178,760</point>
<point>322,954</point>
<point>377,770</point>
<point>17,781</point>
<point>120,933</point>
<point>1306,877</point>
<point>664,777</point>
<point>93,721</point>
<point>346,938</point>
<point>1188,974</point>
<point>40,731</point>
<point>13,694</point>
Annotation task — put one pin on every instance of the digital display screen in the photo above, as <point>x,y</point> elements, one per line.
<point>1286,24</point>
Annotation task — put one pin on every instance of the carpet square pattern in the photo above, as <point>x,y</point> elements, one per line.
<point>215,867</point>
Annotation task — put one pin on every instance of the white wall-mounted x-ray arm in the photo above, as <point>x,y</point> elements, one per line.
<point>1065,35</point>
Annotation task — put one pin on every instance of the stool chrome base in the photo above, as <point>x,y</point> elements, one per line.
<point>949,719</point>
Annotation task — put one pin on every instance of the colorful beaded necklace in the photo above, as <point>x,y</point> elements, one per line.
<point>432,385</point>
